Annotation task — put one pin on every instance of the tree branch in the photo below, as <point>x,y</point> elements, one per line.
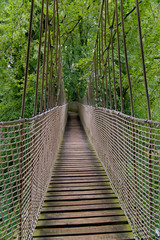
<point>78,21</point>
<point>80,18</point>
<point>129,13</point>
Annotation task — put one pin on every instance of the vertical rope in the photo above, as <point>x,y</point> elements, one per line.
<point>108,57</point>
<point>44,60</point>
<point>56,54</point>
<point>105,24</point>
<point>49,86</point>
<point>93,85</point>
<point>38,62</point>
<point>109,76</point>
<point>119,56</point>
<point>97,71</point>
<point>126,59</point>
<point>51,82</point>
<point>106,84</point>
<point>95,67</point>
<point>113,68</point>
<point>21,125</point>
<point>102,47</point>
<point>59,58</point>
<point>54,62</point>
<point>98,68</point>
<point>143,60</point>
<point>105,43</point>
<point>27,60</point>
<point>149,117</point>
<point>47,65</point>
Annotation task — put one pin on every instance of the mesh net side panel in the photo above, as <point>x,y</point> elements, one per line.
<point>130,152</point>
<point>27,155</point>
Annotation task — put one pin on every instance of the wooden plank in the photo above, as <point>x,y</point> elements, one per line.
<point>115,236</point>
<point>62,170</point>
<point>112,201</point>
<point>61,188</point>
<point>71,193</point>
<point>82,152</point>
<point>83,230</point>
<point>78,197</point>
<point>79,174</point>
<point>80,181</point>
<point>82,221</point>
<point>76,164</point>
<point>78,161</point>
<point>85,184</point>
<point>78,191</point>
<point>80,203</point>
<point>75,208</point>
<point>77,157</point>
<point>76,169</point>
<point>67,215</point>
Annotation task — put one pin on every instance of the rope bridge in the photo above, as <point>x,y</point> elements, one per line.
<point>128,147</point>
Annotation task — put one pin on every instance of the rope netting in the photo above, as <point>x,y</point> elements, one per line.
<point>129,149</point>
<point>29,147</point>
<point>28,151</point>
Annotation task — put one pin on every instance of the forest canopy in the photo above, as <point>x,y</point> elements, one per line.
<point>78,28</point>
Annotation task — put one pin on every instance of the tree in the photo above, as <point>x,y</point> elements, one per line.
<point>78,25</point>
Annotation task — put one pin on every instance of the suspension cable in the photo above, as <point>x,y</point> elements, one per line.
<point>143,60</point>
<point>39,56</point>
<point>27,60</point>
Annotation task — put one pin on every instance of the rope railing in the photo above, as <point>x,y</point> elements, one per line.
<point>128,147</point>
<point>29,147</point>
<point>24,182</point>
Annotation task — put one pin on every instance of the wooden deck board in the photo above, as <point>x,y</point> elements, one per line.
<point>99,236</point>
<point>85,230</point>
<point>86,213</point>
<point>80,203</point>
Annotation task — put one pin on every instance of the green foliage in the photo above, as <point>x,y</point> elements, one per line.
<point>13,28</point>
<point>79,21</point>
<point>150,19</point>
<point>78,26</point>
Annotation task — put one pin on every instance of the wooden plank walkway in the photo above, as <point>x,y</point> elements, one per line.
<point>80,203</point>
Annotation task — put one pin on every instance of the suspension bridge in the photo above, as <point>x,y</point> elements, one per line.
<point>94,174</point>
